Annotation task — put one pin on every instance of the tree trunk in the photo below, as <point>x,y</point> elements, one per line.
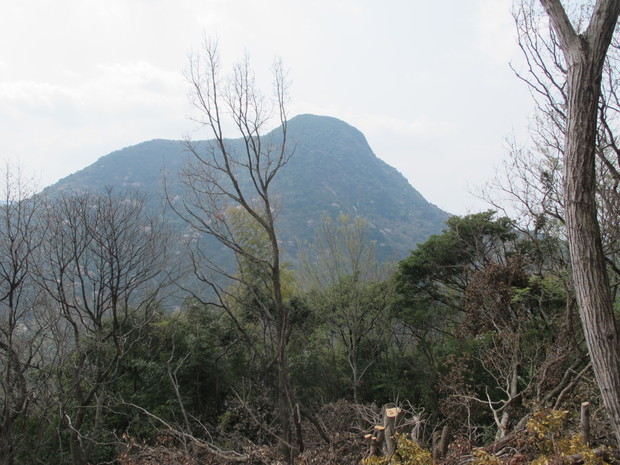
<point>75,447</point>
<point>286,399</point>
<point>585,56</point>
<point>586,249</point>
<point>6,445</point>
<point>284,410</point>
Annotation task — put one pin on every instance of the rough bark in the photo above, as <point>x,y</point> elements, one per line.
<point>444,442</point>
<point>585,55</point>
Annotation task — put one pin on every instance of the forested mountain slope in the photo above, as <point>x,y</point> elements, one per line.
<point>333,170</point>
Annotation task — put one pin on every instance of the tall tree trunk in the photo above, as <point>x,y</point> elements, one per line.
<point>285,412</point>
<point>585,55</point>
<point>587,256</point>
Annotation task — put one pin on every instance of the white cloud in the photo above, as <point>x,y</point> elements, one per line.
<point>115,86</point>
<point>34,94</point>
<point>57,129</point>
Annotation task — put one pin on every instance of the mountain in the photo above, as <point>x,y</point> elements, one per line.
<point>333,170</point>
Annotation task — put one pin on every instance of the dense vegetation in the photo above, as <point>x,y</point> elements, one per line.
<point>476,329</point>
<point>469,350</point>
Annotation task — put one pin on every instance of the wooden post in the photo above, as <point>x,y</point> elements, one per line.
<point>444,441</point>
<point>585,422</point>
<point>436,440</point>
<point>380,434</point>
<point>375,439</point>
<point>389,421</point>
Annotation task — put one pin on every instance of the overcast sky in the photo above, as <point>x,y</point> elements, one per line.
<point>427,82</point>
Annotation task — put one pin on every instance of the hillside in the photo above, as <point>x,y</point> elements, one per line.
<point>333,170</point>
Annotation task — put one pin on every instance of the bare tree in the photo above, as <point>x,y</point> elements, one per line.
<point>573,102</point>
<point>103,256</point>
<point>22,328</point>
<point>224,176</point>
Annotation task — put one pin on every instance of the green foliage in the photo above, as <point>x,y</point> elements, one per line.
<point>246,421</point>
<point>351,327</point>
<point>351,297</point>
<point>549,435</point>
<point>407,452</point>
<point>548,439</point>
<point>545,428</point>
<point>184,347</point>
<point>431,303</point>
<point>439,269</point>
<point>485,305</point>
<point>478,306</point>
<point>482,457</point>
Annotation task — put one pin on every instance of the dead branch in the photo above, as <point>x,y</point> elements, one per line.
<point>198,443</point>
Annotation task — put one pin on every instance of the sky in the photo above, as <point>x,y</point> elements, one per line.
<point>427,82</point>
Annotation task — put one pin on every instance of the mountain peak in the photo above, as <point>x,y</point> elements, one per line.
<point>333,170</point>
<point>310,120</point>
<point>328,127</point>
